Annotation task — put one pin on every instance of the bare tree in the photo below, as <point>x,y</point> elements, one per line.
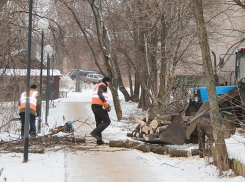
<point>240,3</point>
<point>104,44</point>
<point>220,148</point>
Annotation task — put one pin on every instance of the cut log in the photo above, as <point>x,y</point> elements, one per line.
<point>76,140</point>
<point>131,144</point>
<point>161,128</point>
<point>140,122</point>
<point>139,135</point>
<point>65,139</point>
<point>158,122</point>
<point>124,143</point>
<point>160,150</point>
<point>154,124</point>
<point>179,153</point>
<point>116,143</point>
<point>151,148</point>
<point>146,129</point>
<point>195,152</point>
<point>151,136</point>
<point>144,147</point>
<point>164,122</point>
<point>152,131</point>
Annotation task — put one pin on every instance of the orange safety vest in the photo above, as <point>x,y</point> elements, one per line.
<point>95,96</point>
<point>32,100</point>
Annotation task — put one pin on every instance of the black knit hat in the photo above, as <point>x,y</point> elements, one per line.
<point>106,79</point>
<point>33,86</point>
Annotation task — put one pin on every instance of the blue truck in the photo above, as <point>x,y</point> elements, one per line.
<point>231,99</point>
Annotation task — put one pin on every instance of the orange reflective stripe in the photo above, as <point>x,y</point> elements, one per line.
<point>95,96</point>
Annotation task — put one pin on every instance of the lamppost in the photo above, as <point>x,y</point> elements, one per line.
<point>52,75</point>
<point>43,25</point>
<point>27,108</point>
<point>48,49</point>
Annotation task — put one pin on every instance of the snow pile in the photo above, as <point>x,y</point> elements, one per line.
<point>236,147</point>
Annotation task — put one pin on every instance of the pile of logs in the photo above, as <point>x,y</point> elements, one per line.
<point>151,129</point>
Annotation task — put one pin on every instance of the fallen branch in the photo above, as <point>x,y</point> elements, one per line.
<point>21,150</point>
<point>41,142</point>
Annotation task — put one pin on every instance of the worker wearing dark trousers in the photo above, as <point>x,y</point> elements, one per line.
<point>35,106</point>
<point>100,108</point>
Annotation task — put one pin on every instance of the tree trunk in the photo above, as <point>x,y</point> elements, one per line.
<point>163,59</point>
<point>152,58</point>
<point>115,58</point>
<point>133,92</point>
<point>136,95</point>
<point>105,46</point>
<point>163,150</point>
<point>120,82</point>
<point>130,78</point>
<point>221,152</point>
<point>78,76</point>
<point>116,101</point>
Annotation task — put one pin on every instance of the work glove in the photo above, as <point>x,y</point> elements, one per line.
<point>107,107</point>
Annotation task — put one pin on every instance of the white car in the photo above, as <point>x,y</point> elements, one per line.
<point>93,78</point>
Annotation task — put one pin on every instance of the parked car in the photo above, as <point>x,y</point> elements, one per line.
<point>69,73</point>
<point>93,78</point>
<point>82,74</point>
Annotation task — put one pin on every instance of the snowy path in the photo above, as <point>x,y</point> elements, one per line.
<point>101,163</point>
<point>108,166</point>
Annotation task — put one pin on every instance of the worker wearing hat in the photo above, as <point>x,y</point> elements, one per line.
<point>35,106</point>
<point>100,108</point>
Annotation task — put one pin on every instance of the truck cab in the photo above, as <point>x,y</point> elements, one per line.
<point>200,94</point>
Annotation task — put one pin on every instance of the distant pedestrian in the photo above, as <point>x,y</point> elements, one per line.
<point>100,108</point>
<point>35,106</point>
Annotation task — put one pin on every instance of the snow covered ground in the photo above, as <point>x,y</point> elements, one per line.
<point>51,165</point>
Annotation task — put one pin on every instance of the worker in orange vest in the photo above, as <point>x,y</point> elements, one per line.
<point>100,108</point>
<point>35,106</point>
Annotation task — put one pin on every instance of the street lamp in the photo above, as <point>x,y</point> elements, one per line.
<point>52,78</point>
<point>43,25</point>
<point>27,108</point>
<point>48,49</point>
